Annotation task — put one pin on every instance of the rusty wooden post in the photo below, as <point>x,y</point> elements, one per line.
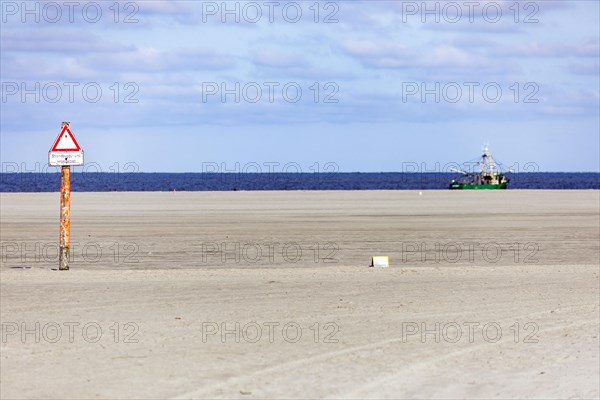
<point>65,216</point>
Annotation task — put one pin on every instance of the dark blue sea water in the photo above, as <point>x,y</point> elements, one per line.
<point>106,182</point>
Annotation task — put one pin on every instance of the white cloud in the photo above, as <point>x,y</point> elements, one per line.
<point>151,59</point>
<point>586,48</point>
<point>58,41</point>
<point>382,54</point>
<point>278,59</point>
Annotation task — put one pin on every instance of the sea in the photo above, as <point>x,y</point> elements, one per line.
<point>153,182</point>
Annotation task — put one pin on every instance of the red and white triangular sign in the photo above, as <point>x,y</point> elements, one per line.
<point>65,141</point>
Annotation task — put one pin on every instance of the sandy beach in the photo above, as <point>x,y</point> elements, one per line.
<point>490,294</point>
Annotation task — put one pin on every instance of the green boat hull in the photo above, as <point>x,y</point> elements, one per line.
<point>474,186</point>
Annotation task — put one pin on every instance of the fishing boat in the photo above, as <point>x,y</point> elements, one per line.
<point>491,175</point>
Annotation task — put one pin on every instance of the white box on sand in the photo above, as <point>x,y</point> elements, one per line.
<point>380,261</point>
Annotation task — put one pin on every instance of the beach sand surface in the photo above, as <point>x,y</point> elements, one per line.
<point>490,294</point>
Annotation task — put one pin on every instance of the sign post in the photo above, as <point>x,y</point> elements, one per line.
<point>65,218</point>
<point>65,152</point>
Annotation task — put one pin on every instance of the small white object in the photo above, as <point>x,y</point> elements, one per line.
<point>380,261</point>
<point>420,193</point>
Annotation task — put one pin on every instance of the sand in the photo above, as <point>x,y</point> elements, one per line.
<point>269,295</point>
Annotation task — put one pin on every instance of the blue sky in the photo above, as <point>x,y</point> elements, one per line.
<point>361,85</point>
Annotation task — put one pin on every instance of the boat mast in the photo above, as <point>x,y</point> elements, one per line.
<point>488,165</point>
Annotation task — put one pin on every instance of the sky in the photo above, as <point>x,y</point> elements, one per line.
<point>310,86</point>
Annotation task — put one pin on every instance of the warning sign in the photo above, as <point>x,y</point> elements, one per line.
<point>65,150</point>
